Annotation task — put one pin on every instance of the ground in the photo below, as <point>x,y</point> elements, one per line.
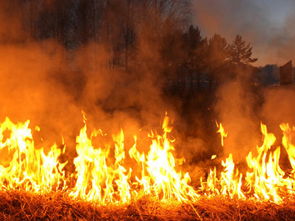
<point>17,205</point>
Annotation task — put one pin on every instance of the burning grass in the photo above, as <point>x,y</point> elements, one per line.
<point>18,205</point>
<point>35,185</point>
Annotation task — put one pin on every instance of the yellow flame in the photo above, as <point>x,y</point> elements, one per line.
<point>229,183</point>
<point>30,169</point>
<point>98,180</point>
<point>213,157</point>
<point>288,134</point>
<point>264,178</point>
<point>115,174</point>
<point>222,133</point>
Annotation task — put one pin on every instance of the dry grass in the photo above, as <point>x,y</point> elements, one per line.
<point>15,205</point>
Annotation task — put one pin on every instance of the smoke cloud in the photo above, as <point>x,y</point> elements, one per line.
<point>51,85</point>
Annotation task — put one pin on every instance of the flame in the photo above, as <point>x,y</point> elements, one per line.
<point>289,133</point>
<point>29,168</point>
<point>264,178</point>
<point>222,133</point>
<point>229,183</point>
<point>113,173</point>
<point>98,180</point>
<point>159,176</point>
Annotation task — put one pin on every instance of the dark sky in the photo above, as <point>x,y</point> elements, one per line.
<point>269,25</point>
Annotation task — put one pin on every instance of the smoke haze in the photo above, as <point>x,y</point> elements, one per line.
<point>267,25</point>
<point>50,82</point>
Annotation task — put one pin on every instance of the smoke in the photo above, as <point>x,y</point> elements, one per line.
<point>279,106</point>
<point>29,90</point>
<point>267,25</point>
<point>12,30</point>
<point>235,107</point>
<point>51,85</point>
<point>241,107</point>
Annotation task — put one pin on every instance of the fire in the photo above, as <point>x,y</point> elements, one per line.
<point>106,174</point>
<point>98,180</point>
<point>222,133</point>
<point>159,176</point>
<point>29,168</point>
<point>228,184</point>
<point>289,133</point>
<point>264,178</point>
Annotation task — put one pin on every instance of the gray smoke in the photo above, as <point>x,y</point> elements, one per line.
<point>268,25</point>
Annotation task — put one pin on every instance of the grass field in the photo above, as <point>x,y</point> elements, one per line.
<point>16,205</point>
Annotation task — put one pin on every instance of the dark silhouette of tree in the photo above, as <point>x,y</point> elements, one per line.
<point>241,52</point>
<point>196,49</point>
<point>217,58</point>
<point>192,38</point>
<point>218,51</point>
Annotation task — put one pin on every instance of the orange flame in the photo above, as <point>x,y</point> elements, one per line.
<point>29,168</point>
<point>102,174</point>
<point>222,133</point>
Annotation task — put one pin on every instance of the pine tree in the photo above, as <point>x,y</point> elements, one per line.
<point>240,52</point>
<point>218,51</point>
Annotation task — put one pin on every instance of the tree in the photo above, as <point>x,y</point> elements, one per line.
<point>240,52</point>
<point>192,38</point>
<point>217,58</point>
<point>218,51</point>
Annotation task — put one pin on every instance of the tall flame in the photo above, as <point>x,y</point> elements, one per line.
<point>29,168</point>
<point>264,178</point>
<point>98,180</point>
<point>112,173</point>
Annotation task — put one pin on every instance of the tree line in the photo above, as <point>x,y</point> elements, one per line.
<point>147,39</point>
